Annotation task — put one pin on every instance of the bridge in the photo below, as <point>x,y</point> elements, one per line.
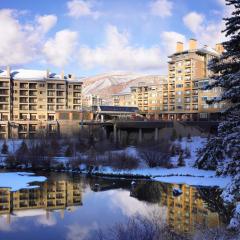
<point>118,127</point>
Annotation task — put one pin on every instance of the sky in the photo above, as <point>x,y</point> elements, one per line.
<point>88,37</point>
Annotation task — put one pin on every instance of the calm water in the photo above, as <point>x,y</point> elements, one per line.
<point>74,207</point>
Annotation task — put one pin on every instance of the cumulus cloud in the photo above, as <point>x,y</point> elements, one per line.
<point>116,53</point>
<point>58,50</point>
<point>46,22</point>
<point>19,43</point>
<point>206,32</point>
<point>193,21</point>
<point>169,40</point>
<point>80,8</point>
<point>161,8</point>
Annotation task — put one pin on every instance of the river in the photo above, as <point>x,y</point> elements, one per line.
<point>72,207</point>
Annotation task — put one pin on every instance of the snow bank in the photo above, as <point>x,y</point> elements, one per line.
<point>188,175</point>
<point>18,180</point>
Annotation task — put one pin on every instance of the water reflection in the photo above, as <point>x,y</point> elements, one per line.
<point>186,212</point>
<point>51,195</point>
<point>74,207</point>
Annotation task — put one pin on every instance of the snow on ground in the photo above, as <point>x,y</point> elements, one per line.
<point>19,180</point>
<point>187,174</point>
<point>13,144</point>
<point>193,145</point>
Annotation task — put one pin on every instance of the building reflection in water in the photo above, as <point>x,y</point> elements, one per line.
<point>50,196</point>
<point>186,212</point>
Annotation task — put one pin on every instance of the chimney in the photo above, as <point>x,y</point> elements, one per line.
<point>47,73</point>
<point>179,47</point>
<point>8,71</point>
<point>219,48</point>
<point>192,44</point>
<point>62,74</point>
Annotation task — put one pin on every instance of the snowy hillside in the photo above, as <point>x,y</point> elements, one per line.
<point>107,84</point>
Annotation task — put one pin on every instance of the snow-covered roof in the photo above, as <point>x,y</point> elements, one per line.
<point>209,50</point>
<point>31,74</point>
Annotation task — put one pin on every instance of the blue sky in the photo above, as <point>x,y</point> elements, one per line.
<point>86,37</point>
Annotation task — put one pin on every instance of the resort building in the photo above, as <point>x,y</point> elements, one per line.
<point>187,73</point>
<point>29,100</point>
<point>180,96</point>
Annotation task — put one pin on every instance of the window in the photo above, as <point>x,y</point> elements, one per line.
<point>179,85</point>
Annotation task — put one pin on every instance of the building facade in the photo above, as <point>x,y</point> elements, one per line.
<point>29,100</point>
<point>188,71</point>
<point>181,95</point>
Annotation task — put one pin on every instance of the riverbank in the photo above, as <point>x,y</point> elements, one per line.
<point>133,166</point>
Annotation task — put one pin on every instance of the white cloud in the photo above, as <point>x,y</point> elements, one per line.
<point>161,8</point>
<point>59,50</point>
<point>80,8</point>
<point>19,43</point>
<point>116,53</point>
<point>169,40</point>
<point>204,31</point>
<point>193,21</point>
<point>46,22</point>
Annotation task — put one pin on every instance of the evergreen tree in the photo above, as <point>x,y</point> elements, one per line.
<point>180,138</point>
<point>181,161</point>
<point>69,151</point>
<point>174,135</point>
<point>223,151</point>
<point>226,75</point>
<point>22,154</point>
<point>4,148</point>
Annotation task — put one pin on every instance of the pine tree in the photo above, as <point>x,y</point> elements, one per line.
<point>223,151</point>
<point>4,148</point>
<point>226,75</point>
<point>69,151</point>
<point>181,161</point>
<point>174,135</point>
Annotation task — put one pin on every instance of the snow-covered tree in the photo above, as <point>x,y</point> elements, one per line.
<point>222,152</point>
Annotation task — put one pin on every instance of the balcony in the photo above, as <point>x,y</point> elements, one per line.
<point>77,87</point>
<point>24,107</point>
<point>32,93</point>
<point>33,100</point>
<point>51,86</point>
<point>32,128</point>
<point>23,93</point>
<point>4,107</point>
<point>22,128</point>
<point>4,92</point>
<point>3,128</point>
<point>61,86</point>
<point>23,85</point>
<point>51,93</point>
<point>4,85</point>
<point>33,107</point>
<point>60,94</point>
<point>32,85</point>
<point>23,100</point>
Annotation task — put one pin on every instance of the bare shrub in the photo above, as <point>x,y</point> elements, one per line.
<point>219,233</point>
<point>141,228</point>
<point>156,159</point>
<point>157,154</point>
<point>121,161</point>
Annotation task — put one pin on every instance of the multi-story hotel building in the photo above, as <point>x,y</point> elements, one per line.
<point>181,95</point>
<point>187,73</point>
<point>30,99</point>
<point>147,95</point>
